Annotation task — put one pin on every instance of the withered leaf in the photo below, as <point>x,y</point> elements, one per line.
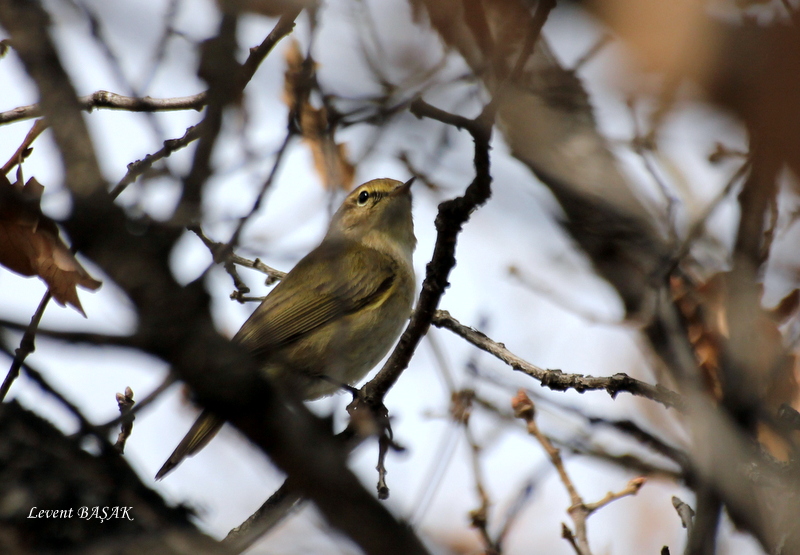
<point>330,157</point>
<point>704,310</point>
<point>30,244</point>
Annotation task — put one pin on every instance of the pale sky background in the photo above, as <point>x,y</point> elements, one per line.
<point>230,479</point>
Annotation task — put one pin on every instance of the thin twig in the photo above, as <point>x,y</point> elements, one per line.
<point>461,403</point>
<point>647,439</point>
<point>567,534</point>
<point>86,427</point>
<point>643,145</point>
<point>290,134</point>
<point>279,505</point>
<point>26,346</point>
<point>38,127</point>
<point>385,442</point>
<point>515,510</point>
<point>556,379</point>
<point>217,64</point>
<point>524,409</point>
<point>137,168</point>
<point>564,299</point>
<point>272,274</point>
<point>114,101</point>
<point>627,461</point>
<point>479,517</point>
<point>223,255</point>
<point>631,488</point>
<point>282,28</point>
<point>699,225</point>
<point>160,51</point>
<point>579,510</point>
<point>27,25</point>
<point>445,447</point>
<point>257,55</point>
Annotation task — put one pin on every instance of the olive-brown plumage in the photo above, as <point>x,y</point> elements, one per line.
<point>338,311</point>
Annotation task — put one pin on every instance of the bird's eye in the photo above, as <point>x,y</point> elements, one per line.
<point>363,197</point>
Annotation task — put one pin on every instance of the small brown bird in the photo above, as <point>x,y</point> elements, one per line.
<point>338,311</point>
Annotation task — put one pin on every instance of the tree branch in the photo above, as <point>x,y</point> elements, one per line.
<point>579,510</point>
<point>556,379</point>
<point>114,101</point>
<point>26,346</point>
<point>453,214</point>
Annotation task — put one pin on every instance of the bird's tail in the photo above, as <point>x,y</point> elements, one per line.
<point>203,430</point>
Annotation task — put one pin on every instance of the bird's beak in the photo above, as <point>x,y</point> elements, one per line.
<point>404,188</point>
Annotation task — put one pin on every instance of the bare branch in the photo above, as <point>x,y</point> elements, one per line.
<point>86,427</point>
<point>524,409</point>
<point>114,101</point>
<point>137,168</point>
<point>632,488</point>
<point>556,379</point>
<point>265,186</point>
<point>24,149</point>
<point>643,145</point>
<point>579,511</point>
<point>626,461</point>
<point>257,55</point>
<point>26,346</point>
<point>647,439</point>
<point>223,254</point>
<point>453,214</point>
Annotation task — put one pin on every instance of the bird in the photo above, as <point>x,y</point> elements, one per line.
<point>337,313</point>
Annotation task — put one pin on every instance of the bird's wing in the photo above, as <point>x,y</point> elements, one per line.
<point>326,285</point>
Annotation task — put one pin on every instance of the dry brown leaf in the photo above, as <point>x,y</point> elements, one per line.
<point>293,75</point>
<point>330,158</point>
<point>700,306</point>
<point>703,307</point>
<point>30,244</point>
